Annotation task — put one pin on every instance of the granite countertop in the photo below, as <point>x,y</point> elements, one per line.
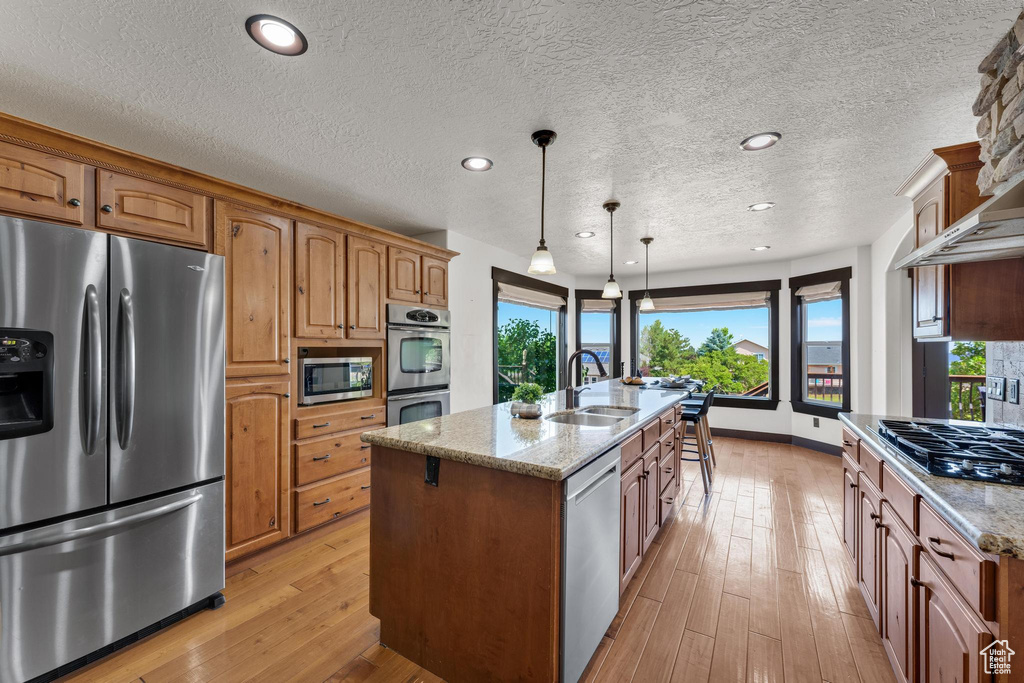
<point>990,515</point>
<point>491,437</point>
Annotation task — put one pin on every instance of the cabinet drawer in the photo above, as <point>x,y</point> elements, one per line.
<point>668,419</point>
<point>330,456</point>
<point>334,498</point>
<point>668,472</point>
<point>651,432</point>
<point>632,449</point>
<point>973,574</point>
<point>871,465</point>
<point>901,497</point>
<point>668,444</point>
<point>140,207</point>
<point>668,499</point>
<point>851,445</point>
<point>339,422</point>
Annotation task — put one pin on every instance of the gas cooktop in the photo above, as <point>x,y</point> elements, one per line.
<point>982,453</point>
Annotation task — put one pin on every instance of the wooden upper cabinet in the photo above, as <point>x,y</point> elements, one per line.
<point>930,282</point>
<point>257,250</point>
<point>367,272</point>
<point>435,281</point>
<point>257,465</point>
<point>403,275</point>
<point>319,282</point>
<point>41,185</point>
<point>134,206</point>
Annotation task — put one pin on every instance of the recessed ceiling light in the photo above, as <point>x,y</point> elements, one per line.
<point>761,206</point>
<point>761,248</point>
<point>631,263</point>
<point>760,141</point>
<point>477,164</point>
<point>276,35</point>
<point>586,234</point>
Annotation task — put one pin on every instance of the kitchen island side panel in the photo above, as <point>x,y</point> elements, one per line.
<point>464,576</point>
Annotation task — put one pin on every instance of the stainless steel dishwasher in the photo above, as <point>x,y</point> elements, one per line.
<point>590,560</point>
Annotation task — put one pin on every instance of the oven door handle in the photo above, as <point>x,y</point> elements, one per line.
<point>415,328</point>
<point>407,397</point>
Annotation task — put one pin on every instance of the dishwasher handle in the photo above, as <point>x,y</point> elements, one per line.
<point>582,495</point>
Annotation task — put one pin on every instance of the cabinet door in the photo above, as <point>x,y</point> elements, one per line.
<point>899,566</point>
<point>257,465</point>
<point>950,636</point>
<point>850,496</point>
<point>632,522</point>
<point>367,268</point>
<point>134,206</point>
<point>868,566</point>
<point>40,185</point>
<point>403,275</point>
<point>257,251</point>
<point>930,282</point>
<point>435,281</point>
<point>651,488</point>
<point>319,282</point>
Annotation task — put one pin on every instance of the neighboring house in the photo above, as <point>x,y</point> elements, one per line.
<point>604,353</point>
<point>745,347</point>
<point>824,358</point>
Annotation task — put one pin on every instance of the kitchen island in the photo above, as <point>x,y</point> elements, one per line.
<point>467,538</point>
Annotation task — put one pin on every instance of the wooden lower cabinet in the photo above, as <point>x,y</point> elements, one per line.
<point>850,495</point>
<point>950,634</point>
<point>651,483</point>
<point>897,571</point>
<point>868,546</point>
<point>257,464</point>
<point>631,520</point>
<point>333,498</point>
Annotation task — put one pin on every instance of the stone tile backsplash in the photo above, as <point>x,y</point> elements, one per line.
<point>1005,359</point>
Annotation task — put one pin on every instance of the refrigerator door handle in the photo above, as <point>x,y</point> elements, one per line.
<point>125,386</point>
<point>92,348</point>
<point>45,537</point>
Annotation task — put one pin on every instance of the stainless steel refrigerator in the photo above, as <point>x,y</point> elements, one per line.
<point>111,442</point>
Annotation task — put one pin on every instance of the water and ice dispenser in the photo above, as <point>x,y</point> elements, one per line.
<point>26,382</point>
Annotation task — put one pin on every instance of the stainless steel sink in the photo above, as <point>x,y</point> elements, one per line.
<point>614,411</point>
<point>585,419</point>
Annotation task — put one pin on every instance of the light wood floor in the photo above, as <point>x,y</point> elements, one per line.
<point>750,585</point>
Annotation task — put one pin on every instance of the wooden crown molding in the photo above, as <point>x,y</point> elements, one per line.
<point>59,143</point>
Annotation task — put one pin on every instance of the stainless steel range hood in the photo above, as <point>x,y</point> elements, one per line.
<point>993,231</point>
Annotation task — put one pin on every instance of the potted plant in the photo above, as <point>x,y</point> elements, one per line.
<point>526,400</point>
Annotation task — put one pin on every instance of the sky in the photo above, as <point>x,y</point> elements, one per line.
<point>548,320</point>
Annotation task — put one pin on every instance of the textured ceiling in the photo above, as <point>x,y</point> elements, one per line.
<point>649,98</point>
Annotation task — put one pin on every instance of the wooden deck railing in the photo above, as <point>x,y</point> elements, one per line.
<point>825,387</point>
<point>966,398</point>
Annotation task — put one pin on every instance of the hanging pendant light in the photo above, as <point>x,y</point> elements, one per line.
<point>542,263</point>
<point>647,303</point>
<point>611,288</point>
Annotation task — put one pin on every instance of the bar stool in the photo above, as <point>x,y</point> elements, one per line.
<point>694,404</point>
<point>698,417</point>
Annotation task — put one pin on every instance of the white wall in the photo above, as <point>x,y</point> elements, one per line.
<point>471,302</point>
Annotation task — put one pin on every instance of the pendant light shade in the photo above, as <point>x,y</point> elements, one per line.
<point>542,263</point>
<point>647,303</point>
<point>611,288</point>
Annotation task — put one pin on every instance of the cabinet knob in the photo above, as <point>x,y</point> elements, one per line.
<point>287,395</point>
<point>341,327</point>
<point>287,360</point>
<point>915,583</point>
<point>107,208</point>
<point>351,327</point>
<point>74,202</point>
<point>872,515</point>
<point>879,525</point>
<point>852,485</point>
<point>935,318</point>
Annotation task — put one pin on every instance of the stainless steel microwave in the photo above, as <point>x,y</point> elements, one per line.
<point>335,379</point>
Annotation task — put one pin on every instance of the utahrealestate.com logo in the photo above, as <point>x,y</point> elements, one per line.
<point>997,657</point>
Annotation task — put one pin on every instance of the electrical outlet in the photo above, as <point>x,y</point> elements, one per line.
<point>996,388</point>
<point>817,422</point>
<point>1013,390</point>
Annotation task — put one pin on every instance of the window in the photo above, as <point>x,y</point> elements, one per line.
<point>597,330</point>
<point>821,342</point>
<point>529,333</point>
<point>725,335</point>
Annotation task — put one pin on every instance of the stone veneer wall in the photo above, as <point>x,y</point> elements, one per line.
<point>1005,359</point>
<point>1000,106</point>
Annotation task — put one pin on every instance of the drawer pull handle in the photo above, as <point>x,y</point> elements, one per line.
<point>669,500</point>
<point>322,457</point>
<point>325,424</point>
<point>364,487</point>
<point>934,541</point>
<point>847,443</point>
<point>324,502</point>
<point>915,583</point>
<point>364,447</point>
<point>368,417</point>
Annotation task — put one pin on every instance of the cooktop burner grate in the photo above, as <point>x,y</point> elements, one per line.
<point>981,453</point>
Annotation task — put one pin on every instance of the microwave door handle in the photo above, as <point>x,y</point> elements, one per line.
<point>92,386</point>
<point>125,386</point>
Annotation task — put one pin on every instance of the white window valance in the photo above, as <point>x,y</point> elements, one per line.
<point>601,305</point>
<point>529,297</point>
<point>712,302</point>
<point>823,292</point>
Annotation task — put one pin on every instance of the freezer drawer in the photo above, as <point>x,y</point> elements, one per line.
<point>73,587</point>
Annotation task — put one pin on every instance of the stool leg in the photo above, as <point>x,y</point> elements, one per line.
<point>702,457</point>
<point>711,443</point>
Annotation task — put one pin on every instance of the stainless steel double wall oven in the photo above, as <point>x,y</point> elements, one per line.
<point>111,441</point>
<point>419,363</point>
